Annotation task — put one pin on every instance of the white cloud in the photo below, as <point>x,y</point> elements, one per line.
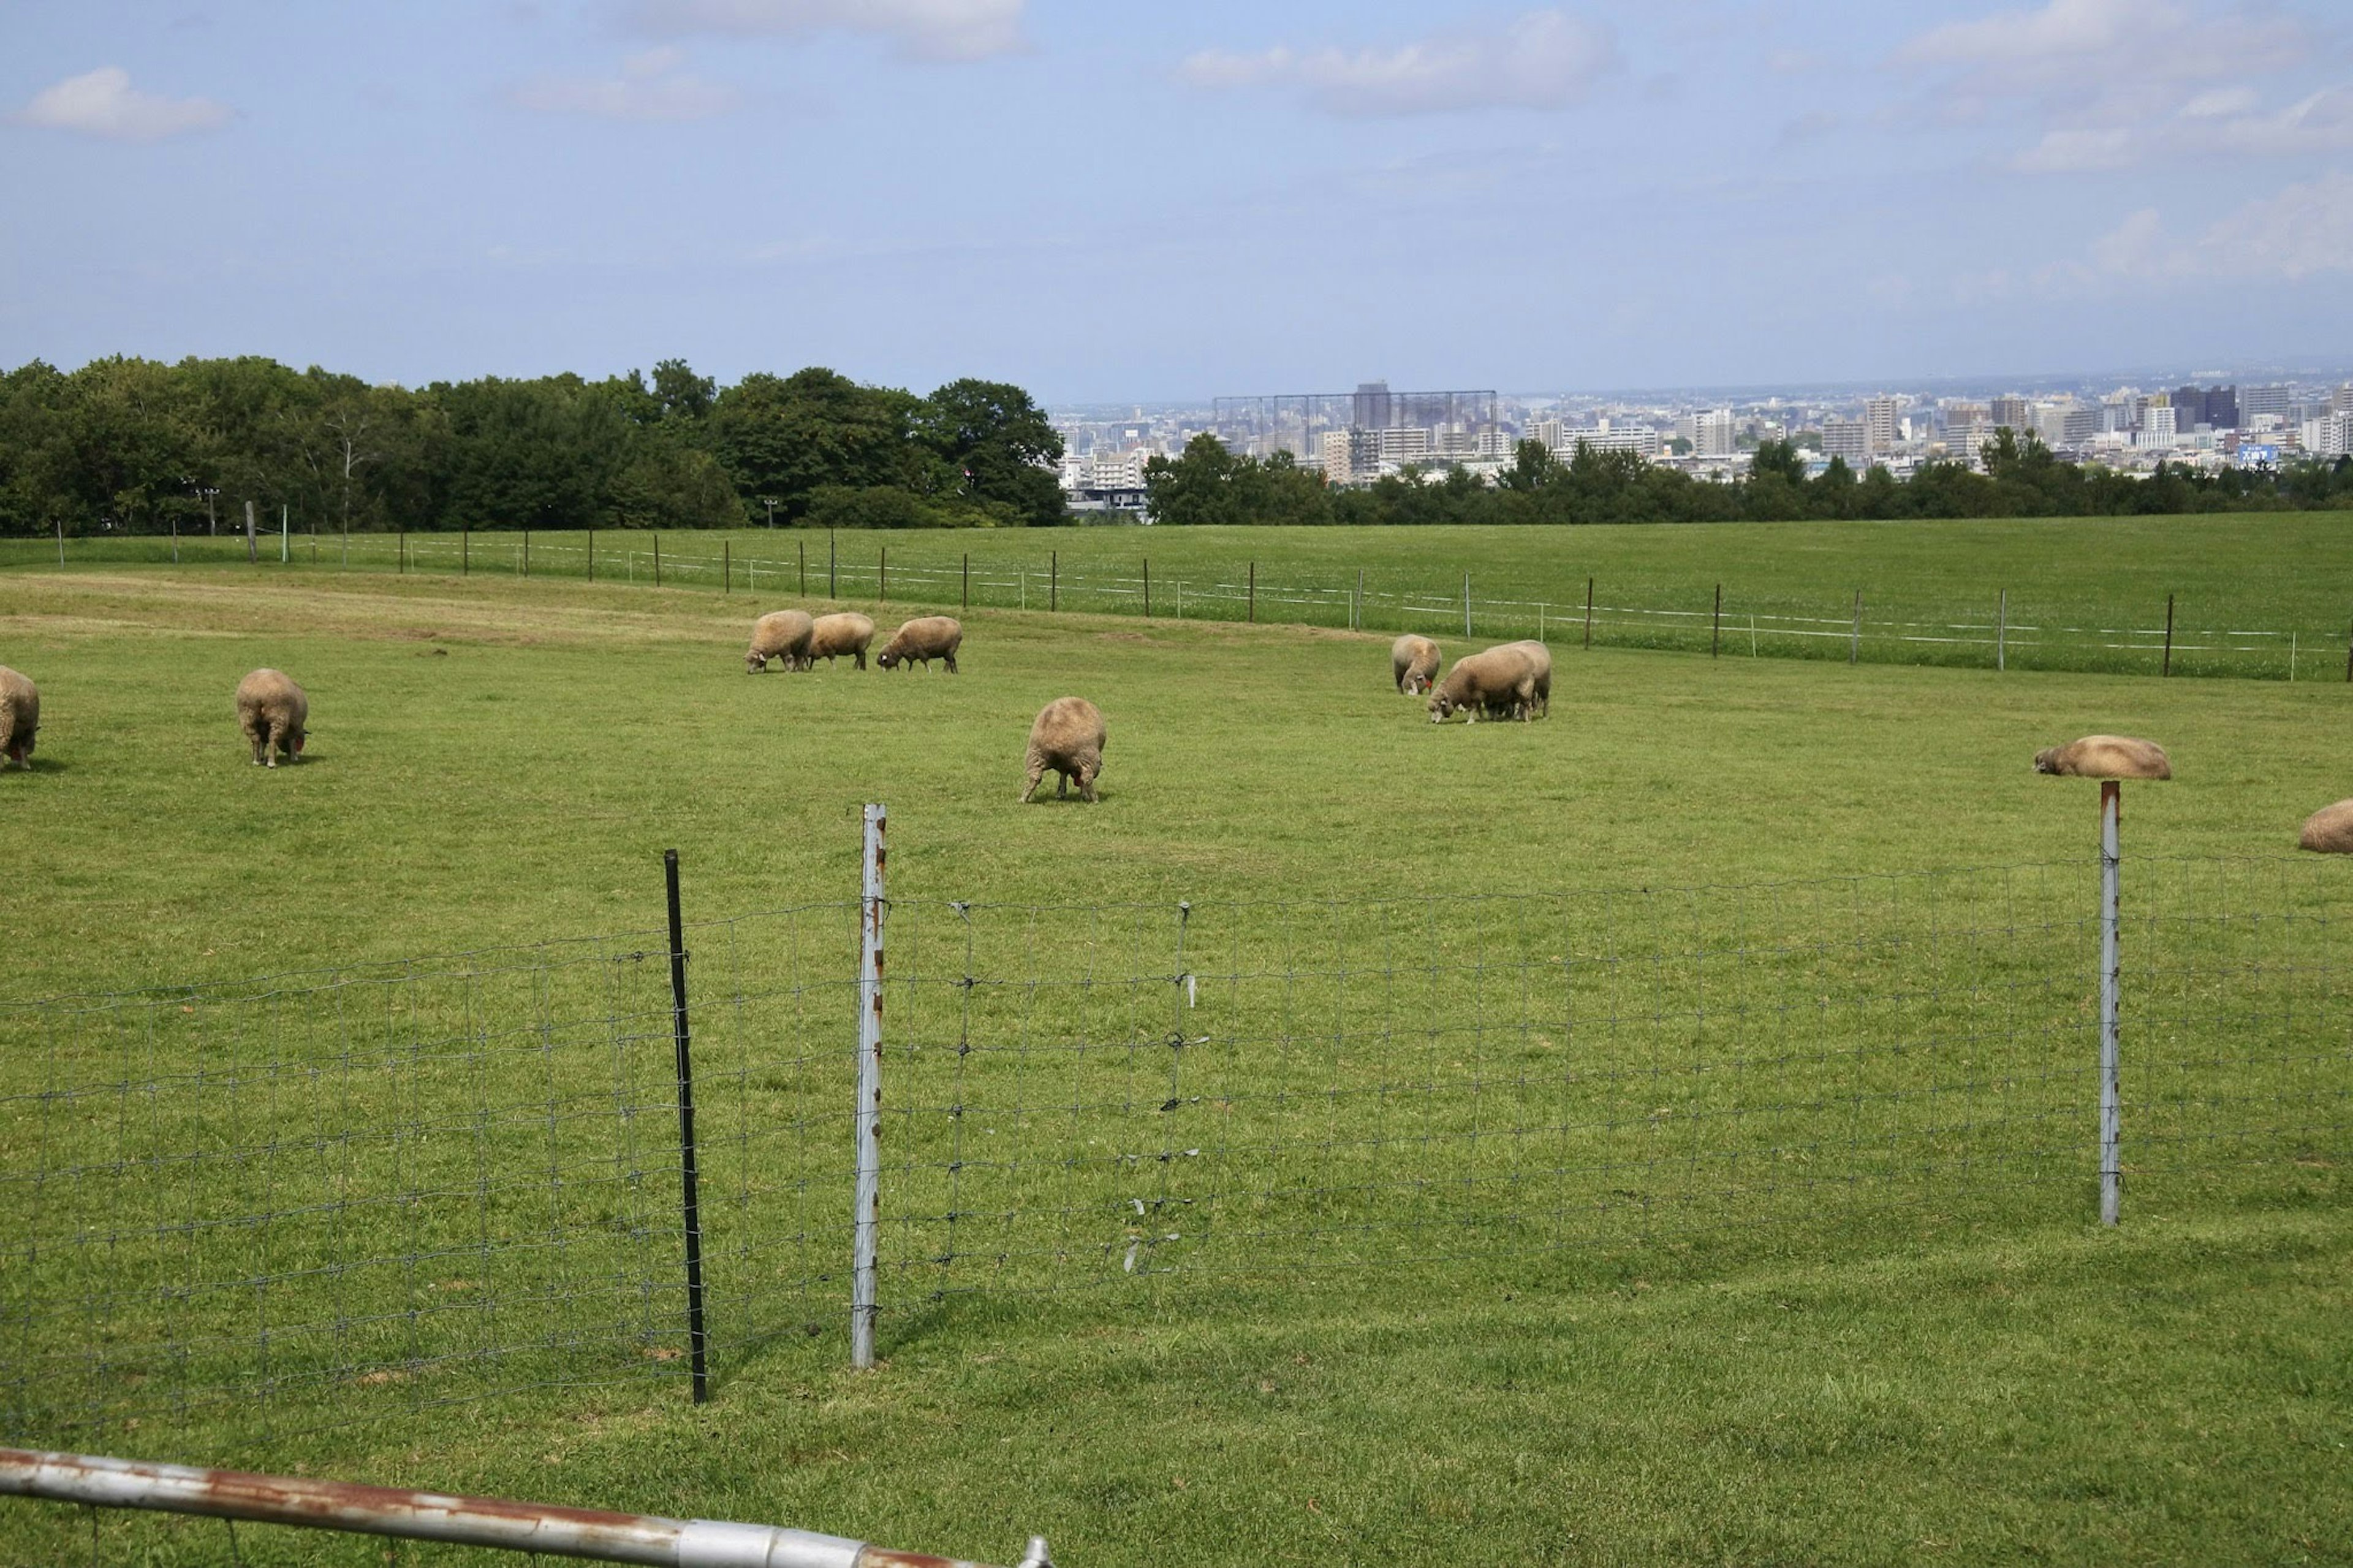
<point>2304,231</point>
<point>105,103</point>
<point>653,86</point>
<point>1544,59</point>
<point>926,29</point>
<point>2107,84</point>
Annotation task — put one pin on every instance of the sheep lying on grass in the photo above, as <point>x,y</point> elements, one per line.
<point>1413,664</point>
<point>274,714</point>
<point>783,634</point>
<point>20,717</point>
<point>2105,757</point>
<point>1068,738</point>
<point>846,632</point>
<point>2329,830</point>
<point>921,640</point>
<point>1501,682</point>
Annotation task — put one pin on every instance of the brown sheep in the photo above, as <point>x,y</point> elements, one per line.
<point>1068,738</point>
<point>274,714</point>
<point>1413,664</point>
<point>20,717</point>
<point>2329,830</point>
<point>782,635</point>
<point>1540,685</point>
<point>846,632</point>
<point>1498,682</point>
<point>2105,757</point>
<point>921,640</point>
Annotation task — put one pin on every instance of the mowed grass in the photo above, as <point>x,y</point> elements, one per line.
<point>2262,595</point>
<point>498,761</point>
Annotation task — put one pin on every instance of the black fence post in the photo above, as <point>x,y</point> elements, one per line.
<point>831,581</point>
<point>2166,667</point>
<point>802,545</point>
<point>883,578</point>
<point>1147,587</point>
<point>1588,612</point>
<point>1053,579</point>
<point>404,550</point>
<point>1253,593</point>
<point>1715,633</point>
<point>526,552</point>
<point>696,1339</point>
<point>592,555</point>
<point>727,566</point>
<point>657,558</point>
<point>967,579</point>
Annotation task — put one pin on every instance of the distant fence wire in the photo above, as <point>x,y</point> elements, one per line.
<point>324,1197</point>
<point>2004,630</point>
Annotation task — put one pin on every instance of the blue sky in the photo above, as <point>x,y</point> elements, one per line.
<point>1112,201</point>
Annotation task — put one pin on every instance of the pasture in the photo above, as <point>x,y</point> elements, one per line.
<point>498,761</point>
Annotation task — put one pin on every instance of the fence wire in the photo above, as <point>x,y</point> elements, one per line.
<point>324,1197</point>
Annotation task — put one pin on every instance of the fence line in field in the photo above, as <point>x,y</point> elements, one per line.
<point>323,1197</point>
<point>1989,635</point>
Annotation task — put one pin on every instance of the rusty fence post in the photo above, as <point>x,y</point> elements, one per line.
<point>690,1196</point>
<point>1054,580</point>
<point>865,1221</point>
<point>1147,587</point>
<point>2111,1098</point>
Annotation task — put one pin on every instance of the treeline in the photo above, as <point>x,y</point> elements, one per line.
<point>1209,484</point>
<point>136,445</point>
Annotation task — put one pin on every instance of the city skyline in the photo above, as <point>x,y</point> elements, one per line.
<point>1106,205</point>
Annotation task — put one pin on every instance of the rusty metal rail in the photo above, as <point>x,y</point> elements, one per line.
<point>496,1522</point>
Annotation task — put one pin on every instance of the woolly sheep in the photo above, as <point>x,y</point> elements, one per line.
<point>1068,738</point>
<point>274,714</point>
<point>1498,682</point>
<point>921,640</point>
<point>785,633</point>
<point>2329,830</point>
<point>1413,664</point>
<point>20,718</point>
<point>847,632</point>
<point>1540,671</point>
<point>2105,757</point>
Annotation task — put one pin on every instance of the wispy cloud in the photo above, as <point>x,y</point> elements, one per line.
<point>2109,84</point>
<point>652,85</point>
<point>105,103</point>
<point>1542,59</point>
<point>2303,232</point>
<point>922,30</point>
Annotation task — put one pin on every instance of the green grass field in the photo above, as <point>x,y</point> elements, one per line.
<point>1794,1375</point>
<point>2257,596</point>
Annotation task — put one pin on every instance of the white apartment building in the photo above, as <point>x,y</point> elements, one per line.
<point>2331,435</point>
<point>1713,433</point>
<point>1848,438</point>
<point>1879,418</point>
<point>2157,427</point>
<point>1351,455</point>
<point>1637,438</point>
<point>1404,443</point>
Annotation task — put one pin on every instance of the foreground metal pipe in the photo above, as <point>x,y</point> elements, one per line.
<point>544,1528</point>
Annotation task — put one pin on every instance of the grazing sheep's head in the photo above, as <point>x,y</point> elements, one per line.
<point>754,662</point>
<point>1442,708</point>
<point>2046,760</point>
<point>886,659</point>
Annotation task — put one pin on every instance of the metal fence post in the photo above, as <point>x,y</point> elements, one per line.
<point>1054,580</point>
<point>2166,667</point>
<point>1588,612</point>
<point>868,1203</point>
<point>2001,632</point>
<point>883,578</point>
<point>1716,628</point>
<point>727,566</point>
<point>1466,604</point>
<point>465,551</point>
<point>2111,1106</point>
<point>696,1339</point>
<point>657,558</point>
<point>1854,638</point>
<point>967,579</point>
<point>1147,587</point>
<point>830,570</point>
<point>592,555</point>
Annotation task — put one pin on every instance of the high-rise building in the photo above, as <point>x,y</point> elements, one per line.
<point>1371,406</point>
<point>2156,424</point>
<point>1350,455</point>
<point>2015,411</point>
<point>1848,438</point>
<point>1404,443</point>
<point>2341,400</point>
<point>1712,433</point>
<point>2258,400</point>
<point>1878,417</point>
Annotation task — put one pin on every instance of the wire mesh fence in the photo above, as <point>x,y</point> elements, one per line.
<point>310,1200</point>
<point>2003,629</point>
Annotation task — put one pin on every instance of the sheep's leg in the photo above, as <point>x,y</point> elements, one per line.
<point>950,658</point>
<point>1037,772</point>
<point>860,660</point>
<point>1087,783</point>
<point>1061,784</point>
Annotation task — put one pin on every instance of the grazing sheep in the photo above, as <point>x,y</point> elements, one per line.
<point>782,635</point>
<point>20,717</point>
<point>2329,830</point>
<point>2105,757</point>
<point>274,714</point>
<point>1413,664</point>
<point>1500,682</point>
<point>921,640</point>
<point>1068,738</point>
<point>1540,675</point>
<point>847,632</point>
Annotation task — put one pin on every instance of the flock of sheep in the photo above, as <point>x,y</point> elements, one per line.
<point>1513,680</point>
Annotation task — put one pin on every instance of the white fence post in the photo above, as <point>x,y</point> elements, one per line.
<point>869,1200</point>
<point>2111,1104</point>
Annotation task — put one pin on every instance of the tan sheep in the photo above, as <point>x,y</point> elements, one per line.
<point>274,714</point>
<point>2105,757</point>
<point>846,632</point>
<point>921,640</point>
<point>2329,830</point>
<point>1068,738</point>
<point>1540,673</point>
<point>20,717</point>
<point>1500,682</point>
<point>1413,664</point>
<point>784,635</point>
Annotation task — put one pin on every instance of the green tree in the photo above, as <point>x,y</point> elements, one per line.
<point>999,445</point>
